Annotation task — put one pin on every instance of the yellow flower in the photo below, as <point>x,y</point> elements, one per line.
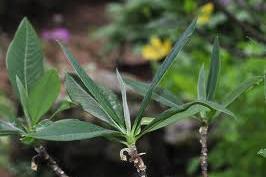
<point>156,49</point>
<point>205,13</point>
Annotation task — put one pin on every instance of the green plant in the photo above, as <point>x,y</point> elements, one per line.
<point>102,103</point>
<point>206,94</point>
<point>35,87</point>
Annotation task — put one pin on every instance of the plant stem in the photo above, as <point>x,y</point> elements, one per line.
<point>204,148</point>
<point>42,152</point>
<point>135,158</point>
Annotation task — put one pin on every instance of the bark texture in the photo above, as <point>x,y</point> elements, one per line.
<point>42,153</point>
<point>204,149</point>
<point>135,158</point>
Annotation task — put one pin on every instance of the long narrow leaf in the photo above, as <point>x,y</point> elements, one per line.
<point>183,111</point>
<point>233,95</point>
<point>124,98</point>
<point>69,130</point>
<point>173,115</point>
<point>160,95</point>
<point>79,95</point>
<point>23,100</point>
<point>93,89</point>
<point>214,71</point>
<point>162,70</point>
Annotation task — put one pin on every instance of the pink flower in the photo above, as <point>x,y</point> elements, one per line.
<point>60,33</point>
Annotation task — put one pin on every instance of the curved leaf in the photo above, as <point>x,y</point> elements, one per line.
<point>162,70</point>
<point>69,130</point>
<point>24,56</point>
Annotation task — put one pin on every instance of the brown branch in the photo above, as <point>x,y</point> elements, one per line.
<point>244,26</point>
<point>135,158</point>
<point>42,153</point>
<point>204,148</point>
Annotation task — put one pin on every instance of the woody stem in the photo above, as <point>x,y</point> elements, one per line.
<point>204,148</point>
<point>42,152</point>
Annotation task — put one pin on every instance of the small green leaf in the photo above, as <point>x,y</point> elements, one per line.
<point>23,100</point>
<point>214,71</point>
<point>7,128</point>
<point>24,56</point>
<point>94,90</point>
<point>43,95</point>
<point>69,130</point>
<point>162,70</point>
<point>262,152</point>
<point>79,94</point>
<point>160,95</point>
<point>124,98</point>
